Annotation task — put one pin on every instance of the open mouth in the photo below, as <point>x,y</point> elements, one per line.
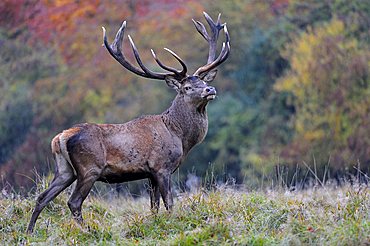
<point>210,96</point>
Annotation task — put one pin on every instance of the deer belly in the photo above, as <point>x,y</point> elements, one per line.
<point>121,167</point>
<point>111,177</point>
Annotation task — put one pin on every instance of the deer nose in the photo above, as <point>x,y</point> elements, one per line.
<point>210,90</point>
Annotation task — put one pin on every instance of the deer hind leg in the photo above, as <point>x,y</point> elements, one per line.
<point>85,181</point>
<point>87,155</point>
<point>64,177</point>
<point>80,193</point>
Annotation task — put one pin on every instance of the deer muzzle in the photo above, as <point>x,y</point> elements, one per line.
<point>209,93</point>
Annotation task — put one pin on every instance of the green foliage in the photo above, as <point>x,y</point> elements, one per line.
<point>269,130</point>
<point>20,67</point>
<point>248,122</point>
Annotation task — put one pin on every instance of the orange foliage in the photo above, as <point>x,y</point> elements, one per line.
<point>60,16</point>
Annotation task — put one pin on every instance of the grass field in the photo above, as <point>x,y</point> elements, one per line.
<point>225,216</point>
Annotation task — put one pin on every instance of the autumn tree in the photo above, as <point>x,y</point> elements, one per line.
<point>329,81</point>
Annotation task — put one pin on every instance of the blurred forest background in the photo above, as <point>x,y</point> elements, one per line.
<point>294,96</point>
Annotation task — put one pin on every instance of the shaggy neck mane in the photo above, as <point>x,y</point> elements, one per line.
<point>188,121</point>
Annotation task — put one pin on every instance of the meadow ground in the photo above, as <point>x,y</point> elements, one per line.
<point>224,216</point>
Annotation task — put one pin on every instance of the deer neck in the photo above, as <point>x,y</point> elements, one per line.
<point>188,121</point>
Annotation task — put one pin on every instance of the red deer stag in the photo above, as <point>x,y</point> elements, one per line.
<point>151,146</point>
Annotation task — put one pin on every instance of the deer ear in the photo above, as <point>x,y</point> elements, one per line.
<point>209,76</point>
<point>172,82</point>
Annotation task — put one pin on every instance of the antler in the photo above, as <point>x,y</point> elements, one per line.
<point>212,62</point>
<point>115,51</point>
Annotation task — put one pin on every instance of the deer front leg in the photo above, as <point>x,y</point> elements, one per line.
<point>164,183</point>
<point>154,195</point>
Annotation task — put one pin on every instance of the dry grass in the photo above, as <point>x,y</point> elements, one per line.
<point>324,216</point>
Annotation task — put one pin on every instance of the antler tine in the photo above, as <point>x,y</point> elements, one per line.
<point>212,39</point>
<point>137,57</point>
<point>184,68</point>
<point>220,59</point>
<point>161,64</point>
<point>115,50</point>
<point>226,34</point>
<point>226,55</point>
<point>168,68</point>
<point>219,18</point>
<point>212,62</point>
<point>201,29</point>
